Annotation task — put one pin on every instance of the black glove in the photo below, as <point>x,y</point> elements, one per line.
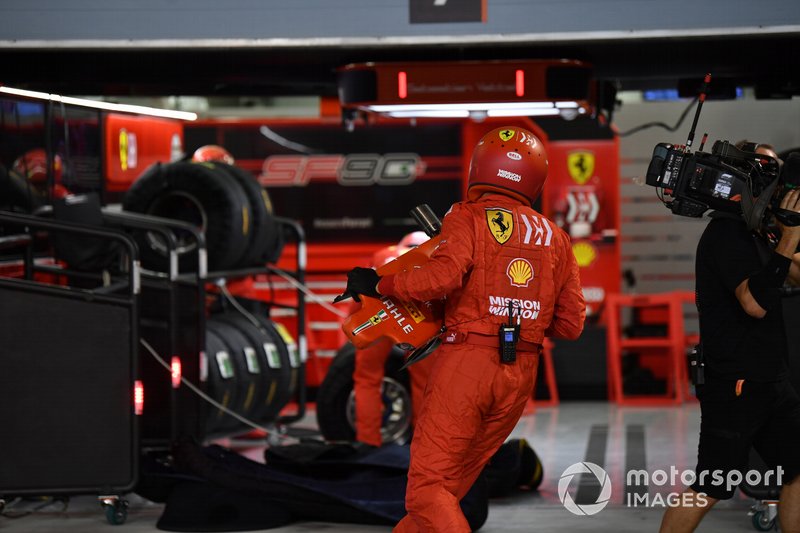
<point>360,281</point>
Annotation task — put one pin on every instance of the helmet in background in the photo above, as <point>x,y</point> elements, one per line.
<point>212,152</point>
<point>384,255</point>
<point>510,161</point>
<point>413,239</point>
<point>33,166</point>
<point>390,253</point>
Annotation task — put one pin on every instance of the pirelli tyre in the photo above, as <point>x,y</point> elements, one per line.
<point>266,239</point>
<point>200,194</point>
<point>275,368</point>
<point>221,381</point>
<point>250,385</point>
<point>290,357</point>
<point>336,400</point>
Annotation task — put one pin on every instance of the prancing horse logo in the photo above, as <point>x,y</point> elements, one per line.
<point>501,224</point>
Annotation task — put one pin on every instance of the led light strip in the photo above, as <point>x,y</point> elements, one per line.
<point>108,106</point>
<point>468,106</point>
<point>465,110</point>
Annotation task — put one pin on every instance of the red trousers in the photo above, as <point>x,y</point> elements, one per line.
<point>472,403</point>
<point>367,380</point>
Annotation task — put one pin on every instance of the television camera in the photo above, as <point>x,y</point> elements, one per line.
<point>729,179</point>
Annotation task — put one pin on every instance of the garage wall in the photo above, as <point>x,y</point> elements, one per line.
<point>144,20</point>
<point>658,246</point>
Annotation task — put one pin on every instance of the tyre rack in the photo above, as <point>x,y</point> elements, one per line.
<point>172,283</point>
<point>187,412</point>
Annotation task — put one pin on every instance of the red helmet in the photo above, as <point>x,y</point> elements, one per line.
<point>212,152</point>
<point>511,161</point>
<point>33,166</point>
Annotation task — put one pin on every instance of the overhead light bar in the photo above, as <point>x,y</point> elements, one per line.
<point>429,113</point>
<point>472,109</point>
<point>523,112</point>
<point>475,89</point>
<point>468,106</point>
<point>97,104</point>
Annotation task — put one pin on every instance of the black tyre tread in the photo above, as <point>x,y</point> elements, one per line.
<point>333,394</point>
<point>225,203</point>
<point>283,396</point>
<point>252,406</point>
<point>264,237</point>
<point>271,377</point>
<point>235,342</point>
<point>217,386</point>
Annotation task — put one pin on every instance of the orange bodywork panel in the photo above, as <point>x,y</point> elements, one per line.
<point>408,324</point>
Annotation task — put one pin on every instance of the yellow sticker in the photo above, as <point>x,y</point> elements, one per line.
<point>585,253</point>
<point>581,166</point>
<point>123,149</point>
<point>507,135</point>
<point>520,272</point>
<point>501,224</point>
<point>414,311</point>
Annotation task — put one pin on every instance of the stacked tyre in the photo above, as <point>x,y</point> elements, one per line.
<point>226,202</point>
<point>252,370</point>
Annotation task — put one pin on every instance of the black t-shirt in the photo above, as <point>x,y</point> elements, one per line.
<point>736,345</point>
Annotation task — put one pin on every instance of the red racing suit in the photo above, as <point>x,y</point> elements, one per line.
<point>492,251</point>
<point>367,381</point>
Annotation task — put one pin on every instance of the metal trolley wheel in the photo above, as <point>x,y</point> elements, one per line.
<point>764,515</point>
<point>116,509</point>
<point>762,522</point>
<point>396,423</point>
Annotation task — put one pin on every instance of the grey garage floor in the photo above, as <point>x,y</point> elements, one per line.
<point>617,439</point>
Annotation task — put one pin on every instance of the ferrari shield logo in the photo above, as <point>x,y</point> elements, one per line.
<point>374,320</point>
<point>580,166</point>
<point>501,224</point>
<point>507,135</point>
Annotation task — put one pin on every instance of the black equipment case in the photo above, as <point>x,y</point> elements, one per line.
<point>68,360</point>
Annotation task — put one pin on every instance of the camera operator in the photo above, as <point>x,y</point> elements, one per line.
<point>747,399</point>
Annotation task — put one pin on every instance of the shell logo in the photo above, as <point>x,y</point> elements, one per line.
<point>520,272</point>
<point>585,253</point>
